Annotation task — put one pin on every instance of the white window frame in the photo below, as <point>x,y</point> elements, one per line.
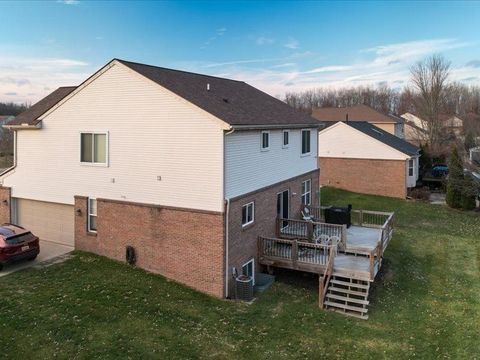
<point>412,162</point>
<point>251,261</point>
<point>261,141</point>
<point>309,192</point>
<point>107,140</point>
<point>309,142</point>
<point>89,214</point>
<point>285,146</point>
<point>252,204</point>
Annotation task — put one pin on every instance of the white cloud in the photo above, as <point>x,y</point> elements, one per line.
<point>30,79</point>
<point>292,43</point>
<point>69,2</point>
<point>262,40</point>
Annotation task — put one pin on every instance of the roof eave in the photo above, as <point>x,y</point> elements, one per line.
<point>275,126</point>
<point>24,126</point>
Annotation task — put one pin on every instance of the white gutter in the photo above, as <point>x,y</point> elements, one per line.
<point>227,219</point>
<point>14,156</point>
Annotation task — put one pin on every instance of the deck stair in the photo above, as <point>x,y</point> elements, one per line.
<point>348,296</point>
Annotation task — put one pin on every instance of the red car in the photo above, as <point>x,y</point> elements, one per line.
<point>17,244</point>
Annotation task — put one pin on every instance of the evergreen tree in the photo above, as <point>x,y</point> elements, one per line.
<point>455,180</point>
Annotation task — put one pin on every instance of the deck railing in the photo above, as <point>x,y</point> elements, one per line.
<point>310,231</point>
<point>325,279</point>
<point>296,253</point>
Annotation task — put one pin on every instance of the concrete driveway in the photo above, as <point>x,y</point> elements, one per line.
<point>48,251</point>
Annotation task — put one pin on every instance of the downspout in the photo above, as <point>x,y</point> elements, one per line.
<point>318,167</point>
<point>14,156</point>
<point>227,218</point>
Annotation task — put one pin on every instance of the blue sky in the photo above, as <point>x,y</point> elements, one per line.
<point>276,46</point>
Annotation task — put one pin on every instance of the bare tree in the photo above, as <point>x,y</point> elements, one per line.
<point>430,78</point>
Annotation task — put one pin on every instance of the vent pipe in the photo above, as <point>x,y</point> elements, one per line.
<point>346,117</point>
<point>208,87</point>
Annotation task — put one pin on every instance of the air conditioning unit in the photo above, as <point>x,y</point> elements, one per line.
<point>244,288</point>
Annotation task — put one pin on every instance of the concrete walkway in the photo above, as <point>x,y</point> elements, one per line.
<point>48,251</point>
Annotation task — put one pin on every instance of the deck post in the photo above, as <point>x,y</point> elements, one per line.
<point>320,291</point>
<point>294,253</point>
<point>344,237</point>
<point>360,217</point>
<point>277,227</point>
<point>310,230</point>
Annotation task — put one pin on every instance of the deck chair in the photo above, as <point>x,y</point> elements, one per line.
<point>306,214</point>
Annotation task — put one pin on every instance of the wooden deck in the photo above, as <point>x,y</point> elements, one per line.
<point>355,267</point>
<point>362,239</point>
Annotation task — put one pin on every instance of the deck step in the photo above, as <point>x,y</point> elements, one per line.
<point>348,299</point>
<point>346,307</point>
<point>347,291</point>
<point>346,283</point>
<point>351,313</point>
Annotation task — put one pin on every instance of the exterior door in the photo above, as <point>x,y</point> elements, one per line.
<point>283,205</point>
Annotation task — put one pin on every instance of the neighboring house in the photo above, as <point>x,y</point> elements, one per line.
<point>474,155</point>
<point>5,119</point>
<point>361,157</point>
<point>416,132</point>
<point>188,169</point>
<point>390,123</point>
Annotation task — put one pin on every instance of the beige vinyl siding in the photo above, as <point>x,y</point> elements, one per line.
<point>161,149</point>
<point>48,221</point>
<point>388,127</point>
<point>248,168</point>
<point>343,141</point>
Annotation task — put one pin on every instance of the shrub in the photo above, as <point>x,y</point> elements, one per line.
<point>420,193</point>
<point>469,192</point>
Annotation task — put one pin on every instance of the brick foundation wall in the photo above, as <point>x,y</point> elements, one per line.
<point>377,177</point>
<point>183,245</point>
<point>5,203</point>
<point>243,241</point>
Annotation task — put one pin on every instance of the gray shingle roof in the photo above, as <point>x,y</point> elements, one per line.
<point>234,102</point>
<point>385,137</point>
<point>32,114</point>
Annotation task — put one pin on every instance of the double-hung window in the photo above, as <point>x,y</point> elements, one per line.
<point>248,214</point>
<point>286,138</point>
<point>94,148</point>
<point>411,163</point>
<point>305,142</point>
<point>92,215</point>
<point>307,192</point>
<point>265,140</point>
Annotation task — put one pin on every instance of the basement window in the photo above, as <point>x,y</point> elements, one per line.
<point>92,215</point>
<point>94,148</point>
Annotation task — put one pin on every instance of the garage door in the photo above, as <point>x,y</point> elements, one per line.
<point>48,221</point>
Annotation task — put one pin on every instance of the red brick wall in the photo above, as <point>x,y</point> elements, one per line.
<point>378,177</point>
<point>5,200</point>
<point>184,245</point>
<point>243,241</point>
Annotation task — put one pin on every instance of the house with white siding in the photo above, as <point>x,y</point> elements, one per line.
<point>361,157</point>
<point>186,169</point>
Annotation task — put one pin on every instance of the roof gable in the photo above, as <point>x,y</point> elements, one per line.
<point>234,102</point>
<point>385,137</point>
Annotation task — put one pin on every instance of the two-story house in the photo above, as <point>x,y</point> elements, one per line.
<point>188,169</point>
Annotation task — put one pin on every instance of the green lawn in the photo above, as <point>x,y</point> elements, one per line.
<point>425,304</point>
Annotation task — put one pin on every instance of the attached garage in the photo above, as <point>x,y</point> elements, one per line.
<point>49,221</point>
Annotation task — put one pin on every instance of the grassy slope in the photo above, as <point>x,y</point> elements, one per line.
<point>425,304</point>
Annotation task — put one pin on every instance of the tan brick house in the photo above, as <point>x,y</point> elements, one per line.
<point>188,169</point>
<point>361,157</point>
<point>390,123</point>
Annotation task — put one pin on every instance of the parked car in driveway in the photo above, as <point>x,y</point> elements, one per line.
<point>16,244</point>
<point>439,171</point>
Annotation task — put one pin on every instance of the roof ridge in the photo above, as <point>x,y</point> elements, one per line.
<point>177,70</point>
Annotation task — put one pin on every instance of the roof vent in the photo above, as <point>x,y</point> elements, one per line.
<point>208,87</point>
<point>377,131</point>
<point>226,100</point>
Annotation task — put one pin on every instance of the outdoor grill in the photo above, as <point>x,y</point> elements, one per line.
<point>339,215</point>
